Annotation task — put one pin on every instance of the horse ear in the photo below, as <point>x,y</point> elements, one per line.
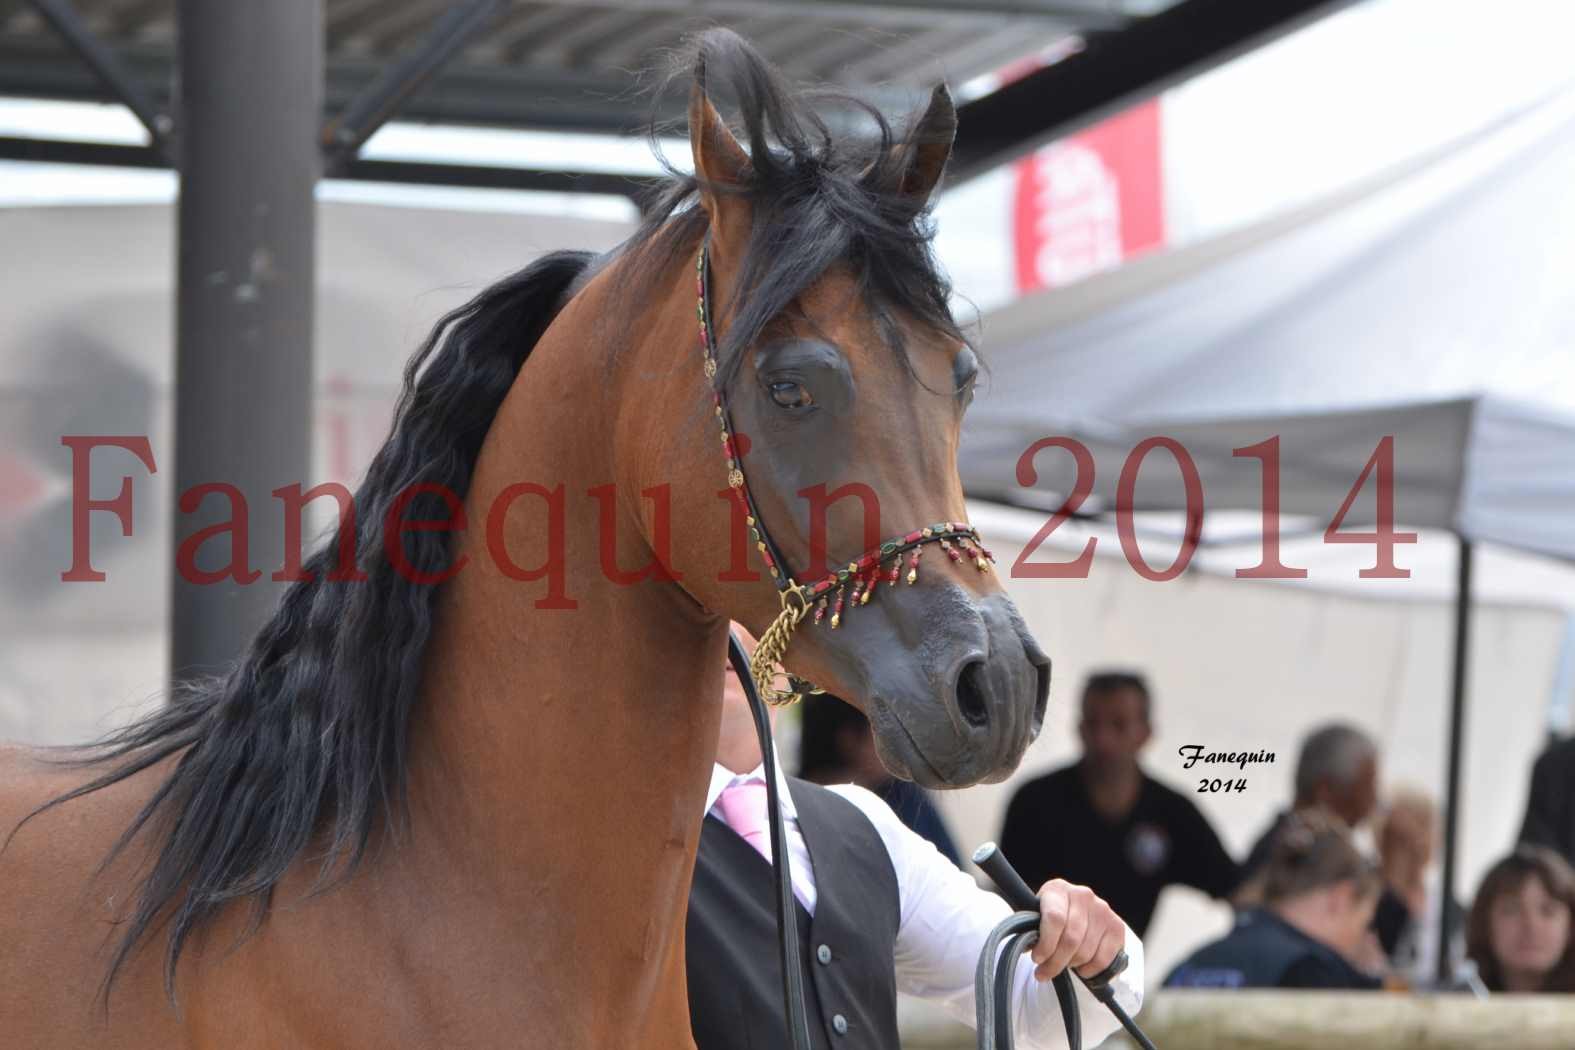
<point>721,164</point>
<point>931,145</point>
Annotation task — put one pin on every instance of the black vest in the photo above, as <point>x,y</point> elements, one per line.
<point>735,980</point>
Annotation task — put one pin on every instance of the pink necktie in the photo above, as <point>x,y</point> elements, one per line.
<point>743,806</point>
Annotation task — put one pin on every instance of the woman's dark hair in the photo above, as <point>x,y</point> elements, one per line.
<point>1314,850</point>
<point>1509,875</point>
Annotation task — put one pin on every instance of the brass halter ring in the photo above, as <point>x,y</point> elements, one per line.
<point>958,539</point>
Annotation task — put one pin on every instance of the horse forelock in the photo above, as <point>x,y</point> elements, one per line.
<point>819,198</point>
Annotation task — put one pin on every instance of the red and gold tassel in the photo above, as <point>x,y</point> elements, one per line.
<point>978,558</point>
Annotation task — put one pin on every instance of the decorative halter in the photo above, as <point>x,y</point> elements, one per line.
<point>837,592</point>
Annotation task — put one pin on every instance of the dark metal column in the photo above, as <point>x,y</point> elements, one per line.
<point>1457,730</point>
<point>251,90</point>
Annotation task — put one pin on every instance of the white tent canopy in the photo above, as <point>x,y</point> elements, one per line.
<point>1434,305</point>
<point>1429,314</point>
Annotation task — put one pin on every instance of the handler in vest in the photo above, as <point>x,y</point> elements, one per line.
<point>880,910</point>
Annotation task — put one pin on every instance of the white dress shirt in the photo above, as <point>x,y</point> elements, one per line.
<point>943,920</point>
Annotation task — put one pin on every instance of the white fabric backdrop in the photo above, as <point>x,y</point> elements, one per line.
<point>86,347</point>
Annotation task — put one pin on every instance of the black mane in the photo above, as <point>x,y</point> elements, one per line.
<point>304,740</point>
<point>304,743</point>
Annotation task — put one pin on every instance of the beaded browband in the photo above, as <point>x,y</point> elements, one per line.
<point>837,592</point>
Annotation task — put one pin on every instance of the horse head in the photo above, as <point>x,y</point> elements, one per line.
<point>844,379</point>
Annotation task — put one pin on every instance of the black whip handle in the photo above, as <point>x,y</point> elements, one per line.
<point>993,863</point>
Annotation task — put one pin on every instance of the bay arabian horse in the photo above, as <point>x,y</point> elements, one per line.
<point>447,800</point>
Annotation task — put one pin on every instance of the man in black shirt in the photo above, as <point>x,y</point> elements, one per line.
<point>1105,824</point>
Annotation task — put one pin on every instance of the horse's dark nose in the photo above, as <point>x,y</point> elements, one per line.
<point>953,684</point>
<point>960,699</point>
<point>971,702</point>
<point>995,696</point>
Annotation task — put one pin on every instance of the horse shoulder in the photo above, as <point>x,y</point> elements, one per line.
<point>58,912</point>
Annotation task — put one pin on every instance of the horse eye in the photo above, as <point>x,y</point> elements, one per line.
<point>965,370</point>
<point>790,395</point>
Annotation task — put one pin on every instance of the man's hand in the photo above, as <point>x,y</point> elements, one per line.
<point>1076,929</point>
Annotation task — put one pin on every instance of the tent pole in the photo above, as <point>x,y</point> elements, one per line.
<point>1457,718</point>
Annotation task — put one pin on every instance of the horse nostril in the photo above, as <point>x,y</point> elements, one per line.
<point>1042,696</point>
<point>970,694</point>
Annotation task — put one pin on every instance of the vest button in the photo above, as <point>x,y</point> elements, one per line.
<point>823,953</point>
<point>839,1024</point>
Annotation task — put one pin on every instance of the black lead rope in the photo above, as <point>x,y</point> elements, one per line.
<point>787,928</point>
<point>1016,934</point>
<point>993,980</point>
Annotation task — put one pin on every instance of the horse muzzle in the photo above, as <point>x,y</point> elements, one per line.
<point>962,700</point>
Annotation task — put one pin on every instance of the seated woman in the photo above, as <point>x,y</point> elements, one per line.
<point>1518,933</point>
<point>1318,894</point>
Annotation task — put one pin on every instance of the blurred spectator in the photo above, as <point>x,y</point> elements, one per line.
<point>1319,894</point>
<point>1336,773</point>
<point>1407,848</point>
<point>1550,808</point>
<point>836,746</point>
<point>1104,823</point>
<point>1519,930</point>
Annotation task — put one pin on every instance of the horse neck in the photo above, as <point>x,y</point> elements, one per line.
<point>562,756</point>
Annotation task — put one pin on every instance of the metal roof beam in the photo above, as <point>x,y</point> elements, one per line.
<point>463,94</point>
<point>107,68</point>
<point>396,25</point>
<point>881,13</point>
<point>104,154</point>
<point>556,49</point>
<point>520,23</point>
<point>344,136</point>
<point>958,62</point>
<point>637,188</point>
<point>59,151</point>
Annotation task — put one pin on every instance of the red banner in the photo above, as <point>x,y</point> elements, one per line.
<point>1091,201</point>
